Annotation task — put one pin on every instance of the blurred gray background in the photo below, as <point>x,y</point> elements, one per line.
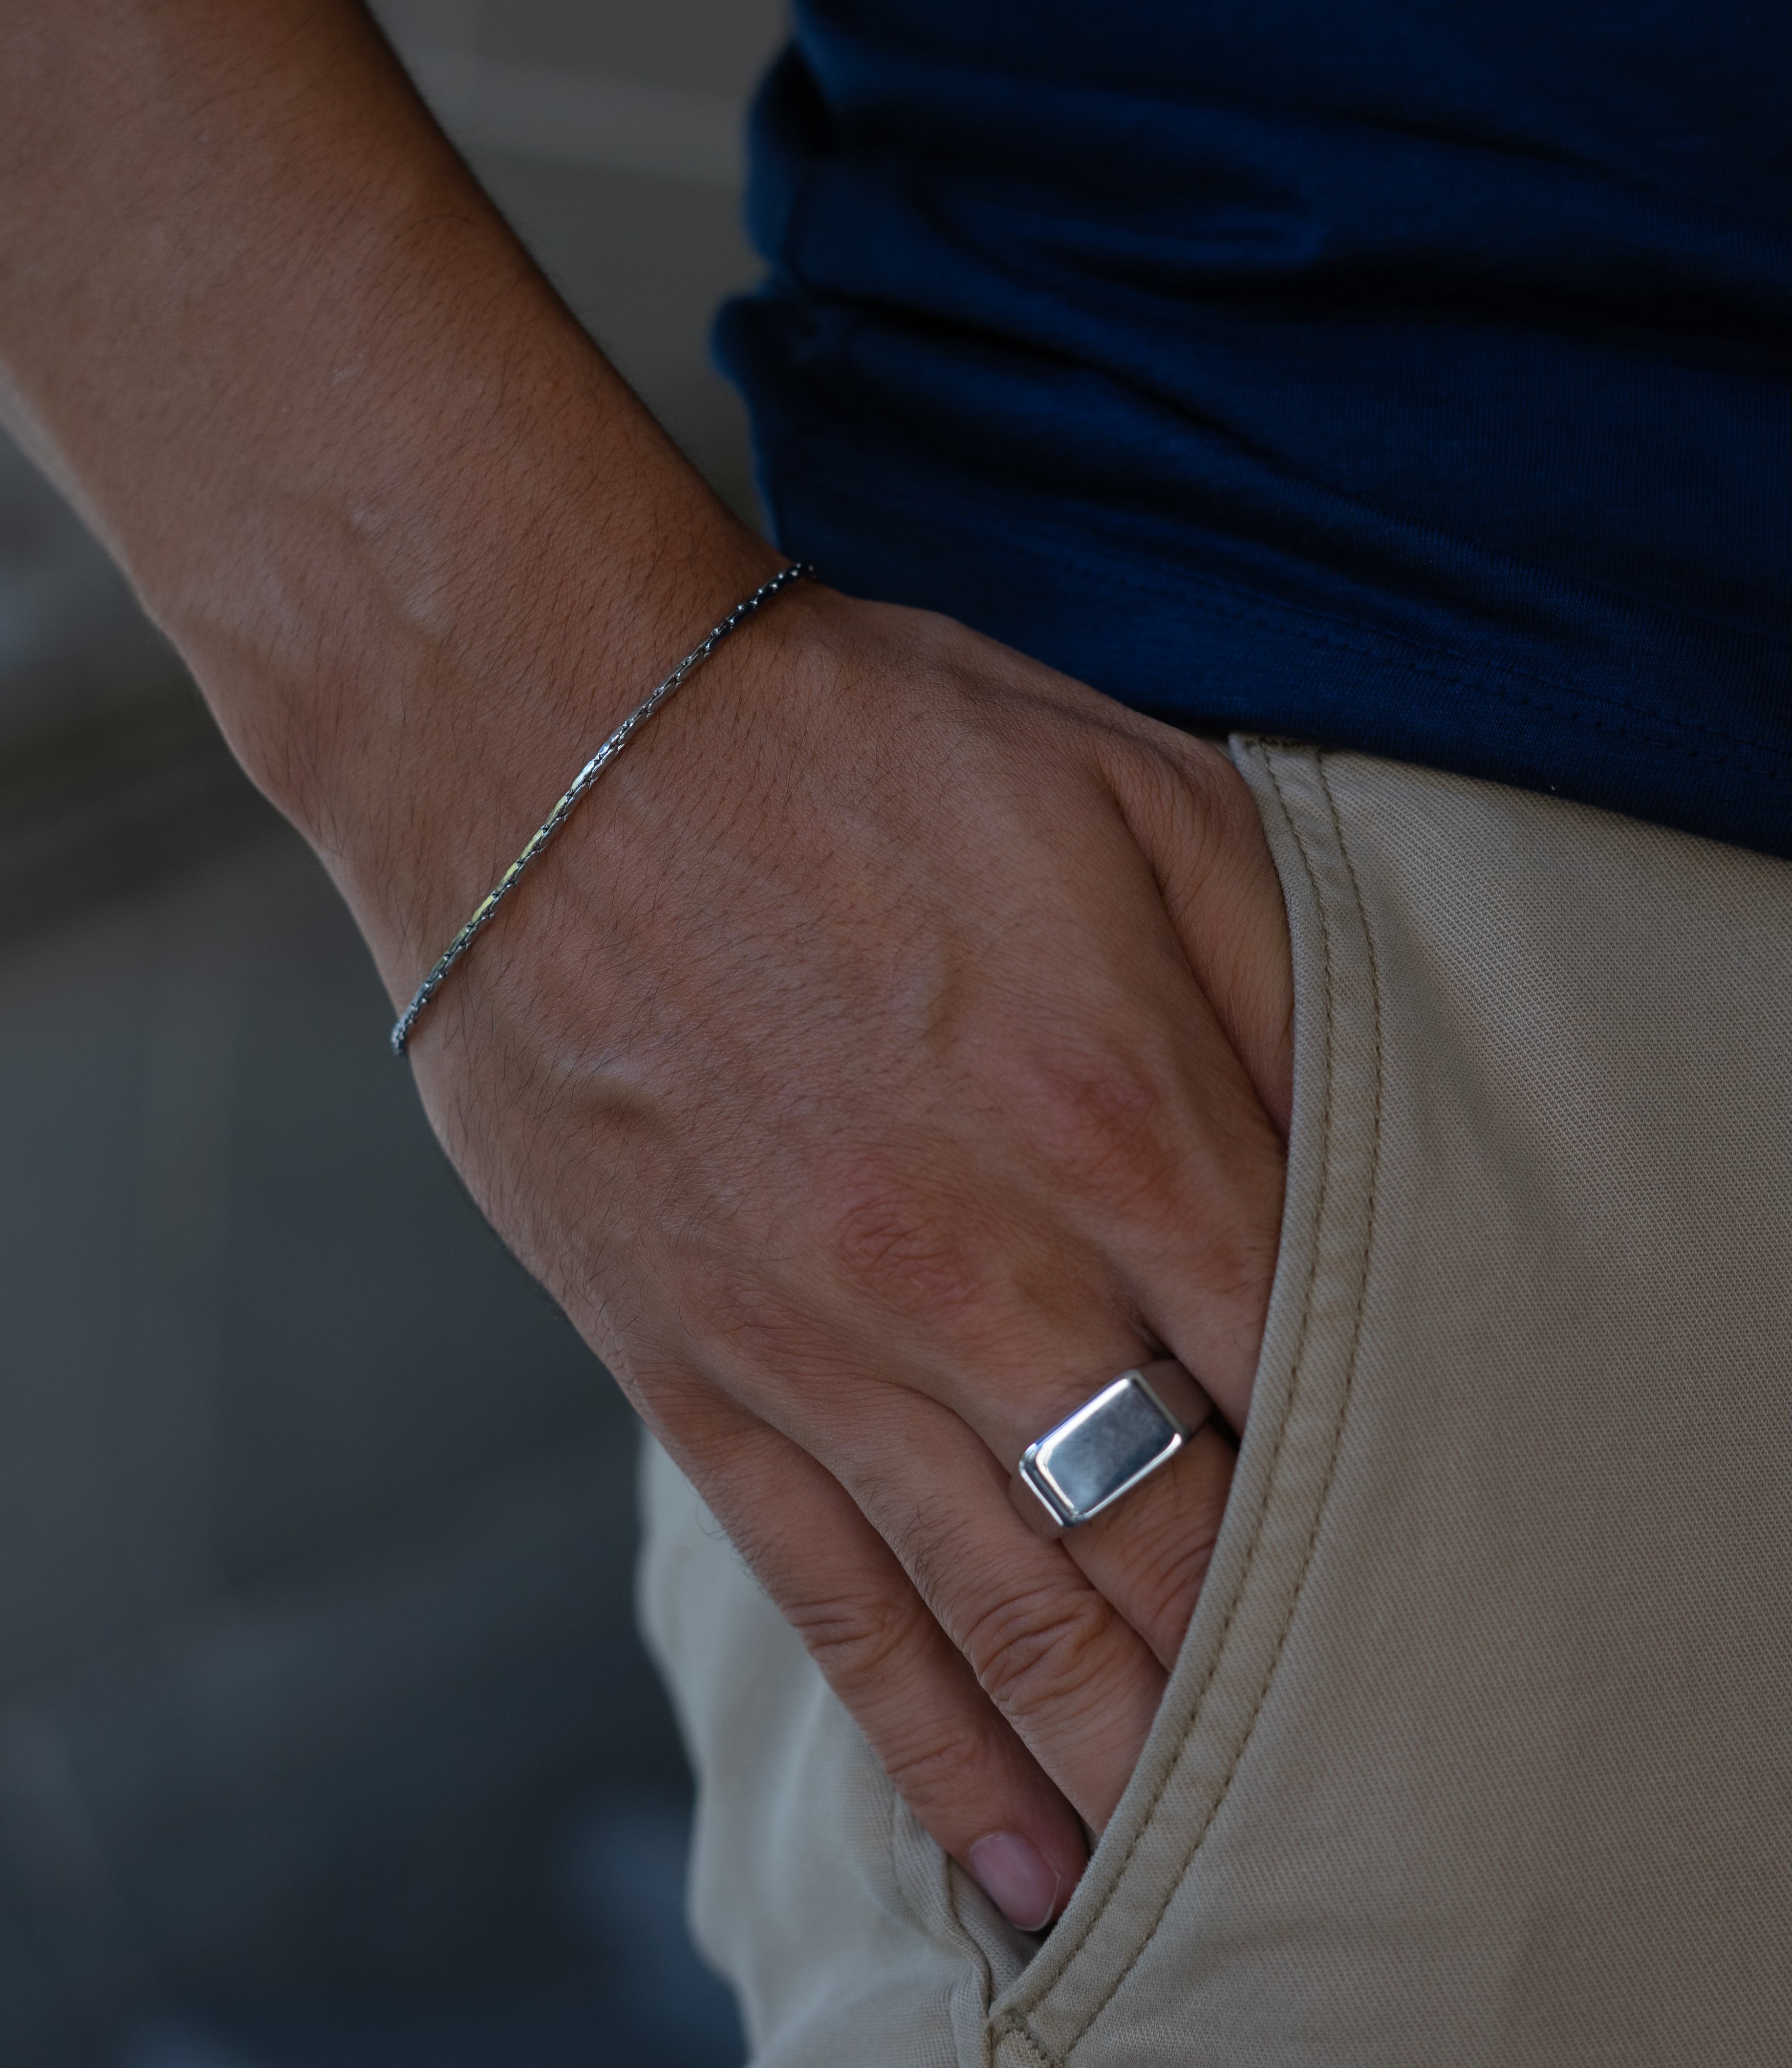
<point>325,1736</point>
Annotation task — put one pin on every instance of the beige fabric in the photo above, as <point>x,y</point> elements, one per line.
<point>1477,1749</point>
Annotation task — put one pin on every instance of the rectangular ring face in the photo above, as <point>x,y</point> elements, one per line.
<point>1101,1450</point>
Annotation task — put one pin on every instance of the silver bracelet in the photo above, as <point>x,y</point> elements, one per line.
<point>581,783</point>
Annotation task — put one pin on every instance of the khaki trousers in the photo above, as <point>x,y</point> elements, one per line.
<point>1476,1752</point>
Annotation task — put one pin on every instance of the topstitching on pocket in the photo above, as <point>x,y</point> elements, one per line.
<point>1110,1971</point>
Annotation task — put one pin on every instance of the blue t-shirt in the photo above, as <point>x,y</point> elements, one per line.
<point>1408,374</point>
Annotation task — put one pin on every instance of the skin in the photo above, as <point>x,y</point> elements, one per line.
<point>897,1044</point>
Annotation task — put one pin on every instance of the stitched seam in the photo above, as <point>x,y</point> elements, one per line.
<point>958,1937</point>
<point>967,1948</point>
<point>1035,2052</point>
<point>1016,2020</point>
<point>1343,1403</point>
<point>1232,600</point>
<point>1561,701</point>
<point>978,1962</point>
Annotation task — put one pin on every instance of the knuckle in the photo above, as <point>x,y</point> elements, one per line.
<point>940,1766</point>
<point>1166,1567</point>
<point>1186,790</point>
<point>936,1550</point>
<point>1035,1650</point>
<point>856,1636</point>
<point>760,1327</point>
<point>1101,1125</point>
<point>893,1243</point>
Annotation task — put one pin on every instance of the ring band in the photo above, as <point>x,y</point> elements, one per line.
<point>1083,1465</point>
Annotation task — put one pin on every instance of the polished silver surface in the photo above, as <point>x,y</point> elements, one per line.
<point>1112,1441</point>
<point>580,784</point>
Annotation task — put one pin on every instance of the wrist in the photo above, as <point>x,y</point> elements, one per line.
<point>414,537</point>
<point>424,750</point>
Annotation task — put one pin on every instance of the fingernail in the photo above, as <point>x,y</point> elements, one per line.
<point>1015,1879</point>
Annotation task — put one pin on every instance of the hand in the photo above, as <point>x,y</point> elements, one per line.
<point>895,1046</point>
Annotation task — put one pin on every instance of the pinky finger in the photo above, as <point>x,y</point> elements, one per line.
<point>951,1756</point>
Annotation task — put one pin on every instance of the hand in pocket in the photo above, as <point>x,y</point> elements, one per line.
<point>897,1049</point>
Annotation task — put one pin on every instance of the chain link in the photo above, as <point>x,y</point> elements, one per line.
<point>581,783</point>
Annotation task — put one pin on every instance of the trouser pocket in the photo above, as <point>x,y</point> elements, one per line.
<point>1473,1751</point>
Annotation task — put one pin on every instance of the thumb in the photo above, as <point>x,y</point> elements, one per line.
<point>1195,820</point>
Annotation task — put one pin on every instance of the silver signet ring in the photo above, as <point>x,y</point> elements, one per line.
<point>1136,1423</point>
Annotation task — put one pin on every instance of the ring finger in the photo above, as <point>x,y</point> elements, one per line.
<point>1072,1652</point>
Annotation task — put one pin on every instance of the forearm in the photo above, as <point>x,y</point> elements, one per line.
<point>892,1057</point>
<point>416,538</point>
